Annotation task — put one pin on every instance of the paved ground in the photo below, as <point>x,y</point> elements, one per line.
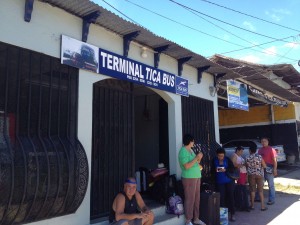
<point>286,209</point>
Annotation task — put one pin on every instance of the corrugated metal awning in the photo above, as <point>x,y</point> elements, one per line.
<point>259,76</point>
<point>232,68</point>
<point>118,25</point>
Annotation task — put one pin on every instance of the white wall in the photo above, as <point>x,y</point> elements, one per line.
<point>43,34</point>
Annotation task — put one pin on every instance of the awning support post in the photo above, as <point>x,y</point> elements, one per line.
<point>28,10</point>
<point>157,53</point>
<point>200,72</point>
<point>87,20</point>
<point>127,38</point>
<point>181,62</point>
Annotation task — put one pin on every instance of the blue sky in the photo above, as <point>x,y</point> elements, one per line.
<point>221,38</point>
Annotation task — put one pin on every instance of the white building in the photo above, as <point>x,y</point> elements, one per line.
<point>69,137</point>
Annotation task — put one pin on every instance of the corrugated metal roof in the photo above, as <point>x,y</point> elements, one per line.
<point>116,24</point>
<point>258,75</point>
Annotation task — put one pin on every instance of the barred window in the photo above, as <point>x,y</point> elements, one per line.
<point>43,167</point>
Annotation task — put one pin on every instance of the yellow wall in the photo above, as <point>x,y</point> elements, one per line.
<point>257,114</point>
<point>281,113</point>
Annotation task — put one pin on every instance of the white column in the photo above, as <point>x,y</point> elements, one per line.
<point>175,134</point>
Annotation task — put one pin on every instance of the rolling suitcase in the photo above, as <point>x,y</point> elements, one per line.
<point>241,198</point>
<point>210,208</point>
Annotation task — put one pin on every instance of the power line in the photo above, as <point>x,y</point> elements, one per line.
<point>210,34</point>
<point>121,13</point>
<point>236,50</point>
<point>282,56</point>
<point>241,28</point>
<point>184,25</point>
<point>270,22</point>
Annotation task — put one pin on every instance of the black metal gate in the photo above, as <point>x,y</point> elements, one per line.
<point>43,167</point>
<point>113,142</point>
<point>198,120</point>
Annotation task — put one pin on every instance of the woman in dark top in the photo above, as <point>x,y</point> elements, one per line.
<point>224,184</point>
<point>129,208</point>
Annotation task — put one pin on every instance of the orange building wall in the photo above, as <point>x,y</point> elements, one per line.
<point>258,114</point>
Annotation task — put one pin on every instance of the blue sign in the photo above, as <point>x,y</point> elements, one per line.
<point>85,56</point>
<point>237,95</point>
<point>122,68</point>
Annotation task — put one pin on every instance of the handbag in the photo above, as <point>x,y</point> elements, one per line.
<point>233,173</point>
<point>269,169</point>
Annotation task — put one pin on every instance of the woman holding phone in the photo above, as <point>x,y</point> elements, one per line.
<point>224,184</point>
<point>191,180</point>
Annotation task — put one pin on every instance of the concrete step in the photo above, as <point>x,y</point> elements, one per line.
<point>161,218</point>
<point>169,219</point>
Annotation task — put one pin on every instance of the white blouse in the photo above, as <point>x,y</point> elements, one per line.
<point>240,160</point>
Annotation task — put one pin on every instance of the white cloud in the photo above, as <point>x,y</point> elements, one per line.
<point>282,11</point>
<point>292,45</point>
<point>277,14</point>
<point>270,51</point>
<point>273,16</point>
<point>249,26</point>
<point>251,58</point>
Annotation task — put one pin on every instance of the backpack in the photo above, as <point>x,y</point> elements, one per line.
<point>175,205</point>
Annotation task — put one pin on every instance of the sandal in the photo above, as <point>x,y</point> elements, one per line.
<point>264,209</point>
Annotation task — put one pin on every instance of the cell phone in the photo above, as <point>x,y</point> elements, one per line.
<point>220,168</point>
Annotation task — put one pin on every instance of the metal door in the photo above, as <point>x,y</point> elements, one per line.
<point>113,142</point>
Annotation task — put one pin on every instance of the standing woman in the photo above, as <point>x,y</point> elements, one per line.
<point>239,162</point>
<point>191,180</point>
<point>224,184</point>
<point>240,192</point>
<point>255,166</point>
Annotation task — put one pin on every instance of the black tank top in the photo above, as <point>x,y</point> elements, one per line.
<point>131,207</point>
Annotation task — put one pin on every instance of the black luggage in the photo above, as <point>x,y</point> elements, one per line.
<point>210,208</point>
<point>241,199</point>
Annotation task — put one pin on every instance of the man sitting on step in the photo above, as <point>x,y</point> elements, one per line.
<point>129,208</point>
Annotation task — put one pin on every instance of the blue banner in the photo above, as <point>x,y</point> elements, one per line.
<point>237,95</point>
<point>122,68</point>
<point>85,56</point>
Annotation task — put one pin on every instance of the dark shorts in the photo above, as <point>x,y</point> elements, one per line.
<point>256,181</point>
<point>130,222</point>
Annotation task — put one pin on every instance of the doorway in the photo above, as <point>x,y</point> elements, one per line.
<point>130,130</point>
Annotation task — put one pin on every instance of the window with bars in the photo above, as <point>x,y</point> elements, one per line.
<point>43,166</point>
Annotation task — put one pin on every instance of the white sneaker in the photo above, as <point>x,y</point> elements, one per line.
<point>199,222</point>
<point>189,223</point>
